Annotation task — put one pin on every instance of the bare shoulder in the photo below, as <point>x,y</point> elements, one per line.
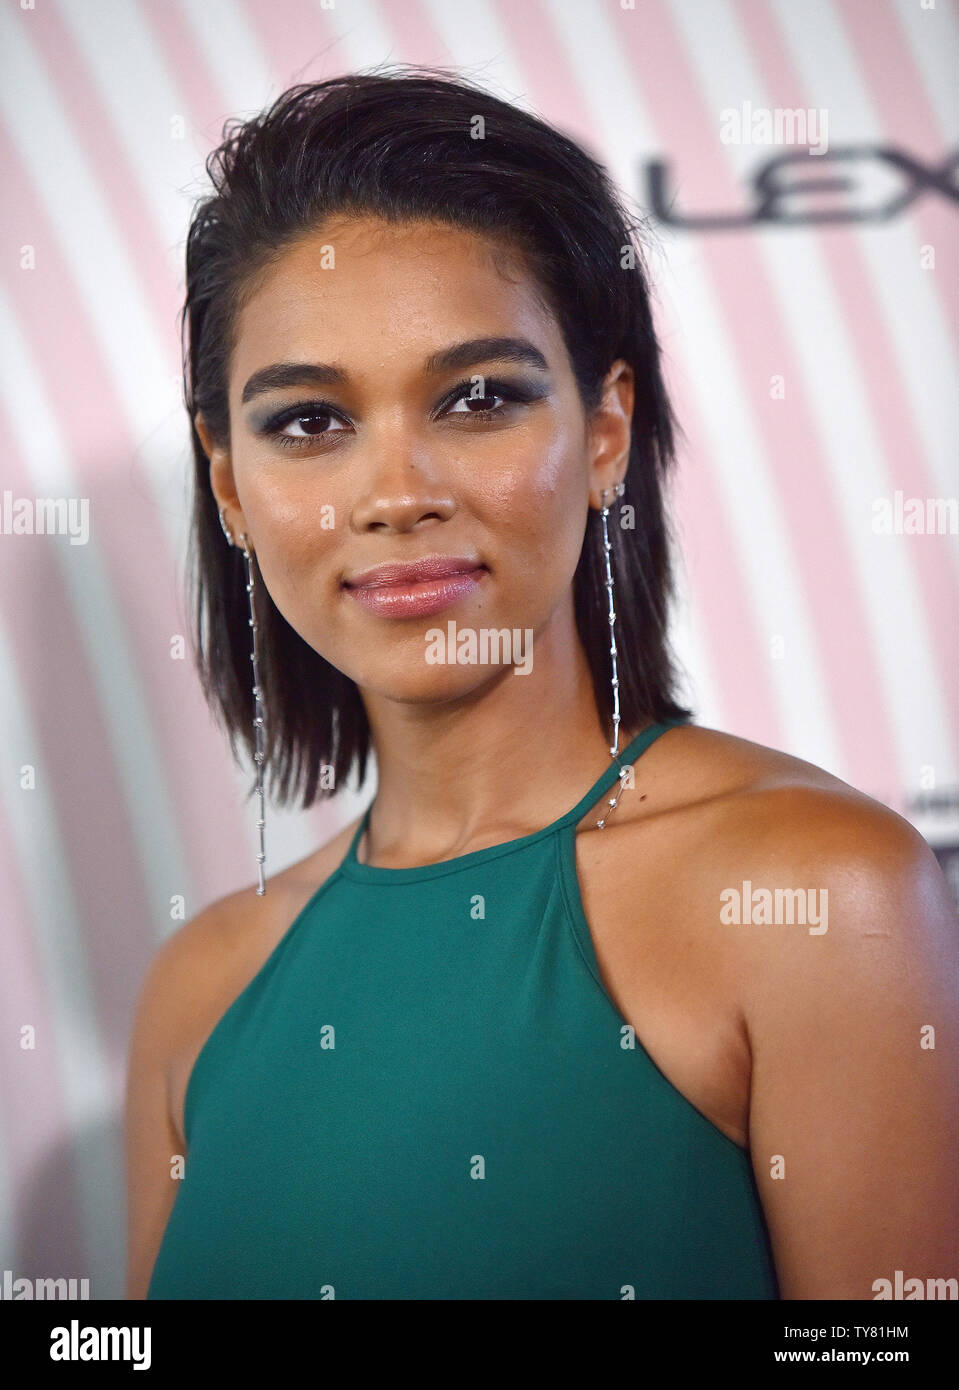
<point>734,798</point>
<point>214,945</point>
<point>218,938</point>
<point>732,836</point>
<point>199,970</point>
<point>191,981</point>
<point>821,919</point>
<point>754,843</point>
<point>707,892</point>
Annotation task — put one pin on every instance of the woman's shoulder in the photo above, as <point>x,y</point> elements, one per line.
<point>205,963</point>
<point>727,816</point>
<point>822,922</point>
<point>747,798</point>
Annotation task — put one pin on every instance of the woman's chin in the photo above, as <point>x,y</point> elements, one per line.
<point>428,685</point>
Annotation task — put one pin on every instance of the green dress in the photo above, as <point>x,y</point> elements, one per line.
<point>426,1092</point>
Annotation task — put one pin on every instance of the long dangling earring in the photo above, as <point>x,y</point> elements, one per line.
<point>258,722</point>
<point>618,491</point>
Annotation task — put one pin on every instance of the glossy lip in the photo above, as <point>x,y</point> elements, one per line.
<point>417,572</point>
<point>415,590</point>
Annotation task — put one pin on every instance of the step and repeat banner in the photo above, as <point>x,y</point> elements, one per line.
<point>797,164</point>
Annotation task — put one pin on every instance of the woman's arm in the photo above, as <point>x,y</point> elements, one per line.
<point>854,1109</point>
<point>173,1001</point>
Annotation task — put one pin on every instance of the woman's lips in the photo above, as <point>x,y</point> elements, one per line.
<point>408,600</point>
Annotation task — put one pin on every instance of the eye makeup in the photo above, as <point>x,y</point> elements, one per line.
<point>513,391</point>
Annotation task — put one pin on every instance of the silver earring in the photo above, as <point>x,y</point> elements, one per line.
<point>258,724</point>
<point>618,491</point>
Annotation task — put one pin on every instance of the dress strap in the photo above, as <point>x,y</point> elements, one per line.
<point>628,755</point>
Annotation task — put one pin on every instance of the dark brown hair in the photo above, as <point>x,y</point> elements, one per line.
<point>402,145</point>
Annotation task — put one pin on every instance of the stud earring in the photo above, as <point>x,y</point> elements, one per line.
<point>618,491</point>
<point>258,721</point>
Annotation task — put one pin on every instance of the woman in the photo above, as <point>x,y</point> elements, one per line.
<point>592,1002</point>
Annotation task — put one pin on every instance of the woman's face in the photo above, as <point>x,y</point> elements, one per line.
<point>376,455</point>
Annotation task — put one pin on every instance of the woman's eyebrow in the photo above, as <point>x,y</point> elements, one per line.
<point>475,350</point>
<point>458,356</point>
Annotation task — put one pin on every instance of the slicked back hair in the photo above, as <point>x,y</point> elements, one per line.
<point>400,145</point>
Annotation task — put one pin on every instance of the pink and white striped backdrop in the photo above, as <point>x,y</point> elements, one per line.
<point>812,341</point>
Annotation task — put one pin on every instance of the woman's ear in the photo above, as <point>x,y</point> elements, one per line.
<point>221,475</point>
<point>610,432</point>
<point>199,424</point>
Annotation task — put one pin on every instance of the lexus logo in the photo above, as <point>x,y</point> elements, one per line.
<point>780,190</point>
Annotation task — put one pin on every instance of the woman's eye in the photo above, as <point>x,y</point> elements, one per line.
<point>477,398</point>
<point>311,422</point>
<point>303,425</point>
<point>476,405</point>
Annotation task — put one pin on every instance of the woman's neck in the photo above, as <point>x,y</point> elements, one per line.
<point>500,763</point>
